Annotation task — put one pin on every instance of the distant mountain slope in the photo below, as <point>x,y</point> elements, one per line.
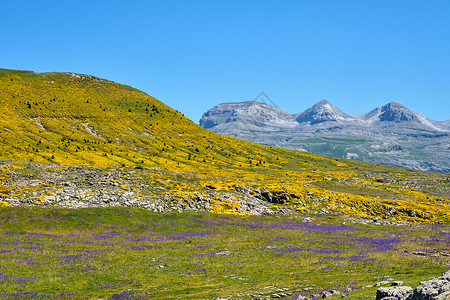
<point>391,134</point>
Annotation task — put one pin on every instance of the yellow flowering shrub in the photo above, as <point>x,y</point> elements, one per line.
<point>4,204</point>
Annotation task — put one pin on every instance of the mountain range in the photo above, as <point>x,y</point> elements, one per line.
<point>391,134</point>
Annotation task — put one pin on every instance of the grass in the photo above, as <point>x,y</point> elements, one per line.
<point>98,252</point>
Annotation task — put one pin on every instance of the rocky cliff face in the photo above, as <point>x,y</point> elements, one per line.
<point>391,134</point>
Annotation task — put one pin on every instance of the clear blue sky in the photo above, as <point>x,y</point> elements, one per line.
<point>193,55</point>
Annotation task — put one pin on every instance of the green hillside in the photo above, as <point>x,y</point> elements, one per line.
<point>67,119</point>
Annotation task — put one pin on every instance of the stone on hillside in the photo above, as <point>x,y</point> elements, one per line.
<point>384,282</point>
<point>328,294</point>
<point>242,189</point>
<point>397,293</point>
<point>267,195</point>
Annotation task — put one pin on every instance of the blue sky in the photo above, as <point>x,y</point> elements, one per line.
<point>193,55</point>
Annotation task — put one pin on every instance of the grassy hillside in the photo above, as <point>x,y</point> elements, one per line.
<point>71,119</point>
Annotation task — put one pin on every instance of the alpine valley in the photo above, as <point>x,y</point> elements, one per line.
<point>391,134</point>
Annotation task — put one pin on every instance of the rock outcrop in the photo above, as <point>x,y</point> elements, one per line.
<point>394,293</point>
<point>434,289</point>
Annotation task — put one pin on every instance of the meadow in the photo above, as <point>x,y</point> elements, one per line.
<point>85,164</point>
<point>127,253</point>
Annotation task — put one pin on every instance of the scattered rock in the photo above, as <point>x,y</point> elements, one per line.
<point>267,195</point>
<point>384,282</point>
<point>242,189</point>
<point>434,289</point>
<point>328,294</point>
<point>369,220</point>
<point>397,293</point>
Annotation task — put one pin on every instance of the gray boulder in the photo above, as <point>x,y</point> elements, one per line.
<point>444,296</point>
<point>394,293</point>
<point>434,289</point>
<point>384,282</point>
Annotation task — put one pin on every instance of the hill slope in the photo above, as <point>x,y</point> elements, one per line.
<point>391,134</point>
<point>60,119</point>
<point>81,119</point>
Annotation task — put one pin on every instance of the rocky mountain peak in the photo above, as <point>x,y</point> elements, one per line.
<point>322,111</point>
<point>248,112</point>
<point>396,104</point>
<point>397,112</point>
<point>323,103</point>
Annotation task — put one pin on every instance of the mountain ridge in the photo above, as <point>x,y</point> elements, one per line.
<point>394,134</point>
